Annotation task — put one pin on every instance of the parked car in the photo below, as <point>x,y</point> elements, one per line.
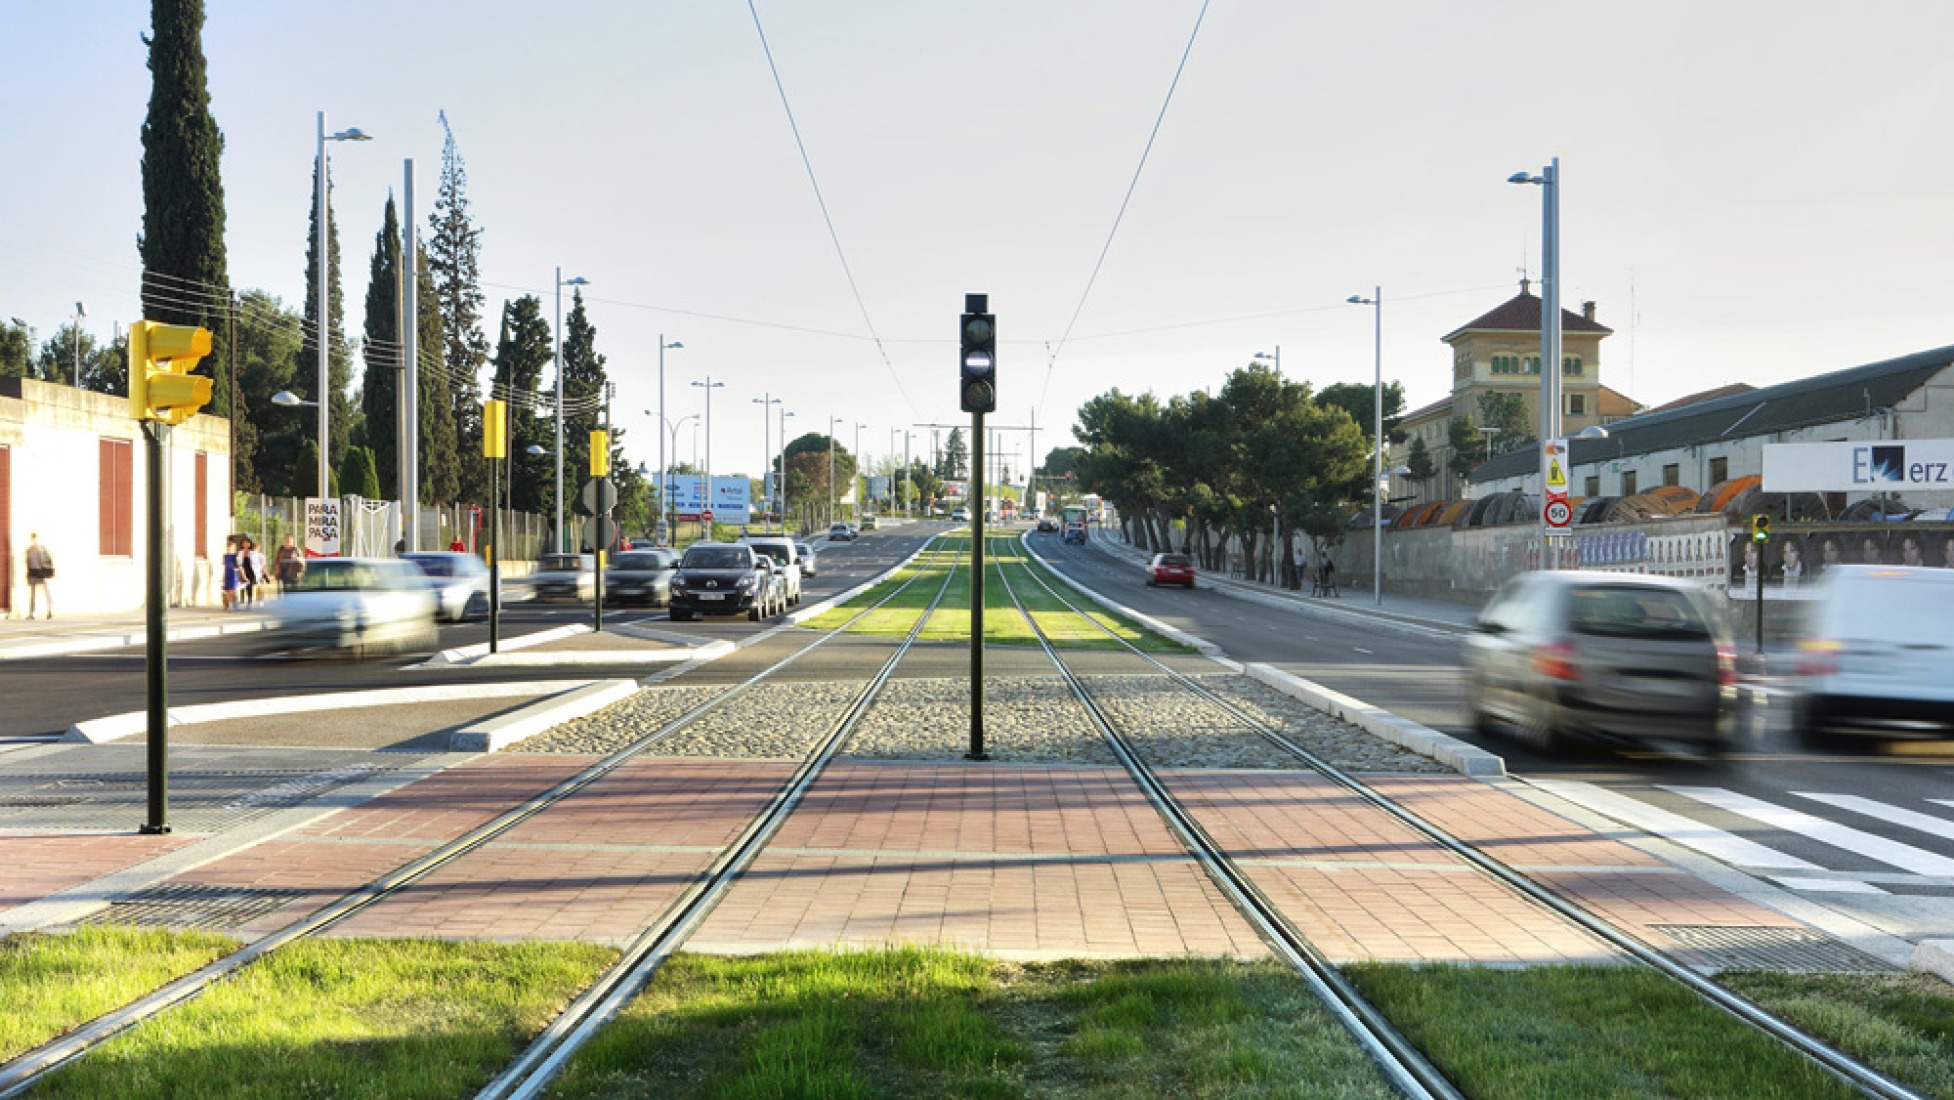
<point>841,532</point>
<point>640,577</point>
<point>719,578</point>
<point>781,549</point>
<point>960,514</point>
<point>460,583</point>
<point>1611,654</point>
<point>1877,659</point>
<point>363,605</point>
<point>1170,569</point>
<point>565,577</point>
<point>1075,532</point>
<point>809,562</point>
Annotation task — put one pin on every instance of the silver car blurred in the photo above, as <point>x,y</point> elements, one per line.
<point>460,583</point>
<point>363,605</point>
<point>1619,655</point>
<point>1877,660</point>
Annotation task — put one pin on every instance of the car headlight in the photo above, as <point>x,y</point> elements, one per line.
<point>747,581</point>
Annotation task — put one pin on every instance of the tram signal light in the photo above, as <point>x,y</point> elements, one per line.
<point>161,358</point>
<point>1760,528</point>
<point>979,356</point>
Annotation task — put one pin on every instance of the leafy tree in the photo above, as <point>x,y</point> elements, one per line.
<point>305,475</point>
<point>955,461</point>
<point>382,350</point>
<point>1360,401</point>
<point>339,359</point>
<point>357,476</point>
<point>1060,461</point>
<point>1419,461</point>
<point>16,348</point>
<point>104,367</point>
<point>1508,413</point>
<point>267,355</point>
<point>455,259</point>
<point>440,454</point>
<point>185,280</point>
<point>808,482</point>
<point>1467,446</point>
<point>522,356</point>
<point>583,388</point>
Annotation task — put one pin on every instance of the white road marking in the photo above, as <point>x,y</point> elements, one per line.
<point>1826,885</point>
<point>1890,852</point>
<point>1707,839</point>
<point>1363,651</point>
<point>1926,823</point>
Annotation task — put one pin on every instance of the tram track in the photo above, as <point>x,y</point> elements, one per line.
<point>1357,1014</point>
<point>20,1073</point>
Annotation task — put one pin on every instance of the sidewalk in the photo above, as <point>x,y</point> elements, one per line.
<point>22,638</point>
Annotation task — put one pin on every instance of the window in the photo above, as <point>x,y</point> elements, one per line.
<point>1533,364</point>
<point>1672,474</point>
<point>1628,483</point>
<point>1719,470</point>
<point>1593,486</point>
<point>1571,365</point>
<point>1577,404</point>
<point>115,499</point>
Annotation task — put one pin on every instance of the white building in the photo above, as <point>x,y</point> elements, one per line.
<point>72,471</point>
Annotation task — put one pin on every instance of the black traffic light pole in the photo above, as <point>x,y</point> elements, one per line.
<point>977,393</point>
<point>156,618</point>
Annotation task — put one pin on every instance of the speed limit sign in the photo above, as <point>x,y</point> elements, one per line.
<point>1558,513</point>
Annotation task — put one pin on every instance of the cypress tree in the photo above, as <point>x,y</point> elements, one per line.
<point>267,352</point>
<point>356,476</point>
<point>339,360</point>
<point>382,350</point>
<point>522,357</point>
<point>454,254</point>
<point>440,450</point>
<point>583,388</point>
<point>185,276</point>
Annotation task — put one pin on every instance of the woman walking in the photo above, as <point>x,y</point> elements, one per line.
<point>230,572</point>
<point>40,570</point>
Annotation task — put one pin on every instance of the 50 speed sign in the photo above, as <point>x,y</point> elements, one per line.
<point>1558,513</point>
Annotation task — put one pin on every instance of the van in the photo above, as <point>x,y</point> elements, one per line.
<point>785,554</point>
<point>1877,658</point>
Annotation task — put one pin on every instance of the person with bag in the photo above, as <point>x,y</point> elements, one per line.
<point>40,570</point>
<point>290,565</point>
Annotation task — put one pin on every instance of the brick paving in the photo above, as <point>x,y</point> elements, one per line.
<point>38,864</point>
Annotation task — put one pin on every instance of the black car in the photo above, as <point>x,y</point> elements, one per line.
<point>717,578</point>
<point>641,577</point>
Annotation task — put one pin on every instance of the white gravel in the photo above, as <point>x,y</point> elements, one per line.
<point>1027,720</point>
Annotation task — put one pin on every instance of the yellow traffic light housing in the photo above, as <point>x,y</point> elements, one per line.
<point>161,358</point>
<point>495,429</point>
<point>1760,528</point>
<point>600,453</point>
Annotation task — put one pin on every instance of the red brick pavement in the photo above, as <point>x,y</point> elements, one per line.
<point>37,865</point>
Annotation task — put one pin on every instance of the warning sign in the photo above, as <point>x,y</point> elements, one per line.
<point>1556,454</point>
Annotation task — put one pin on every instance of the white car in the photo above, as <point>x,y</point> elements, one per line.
<point>787,556</point>
<point>365,605</point>
<point>959,514</point>
<point>460,583</point>
<point>841,532</point>
<point>1877,659</point>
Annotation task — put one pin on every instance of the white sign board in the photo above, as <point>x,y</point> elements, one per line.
<point>731,498</point>
<point>322,527</point>
<point>1865,466</point>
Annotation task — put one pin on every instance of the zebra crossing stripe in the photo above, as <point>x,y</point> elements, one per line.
<point>1877,848</point>
<point>1926,823</point>
<point>1719,845</point>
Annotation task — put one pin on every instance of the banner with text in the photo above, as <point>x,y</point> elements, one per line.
<point>1864,466</point>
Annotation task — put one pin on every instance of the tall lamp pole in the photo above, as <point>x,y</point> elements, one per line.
<point>1376,302</point>
<point>832,421</point>
<point>561,282</point>
<point>781,485</point>
<point>705,529</point>
<point>321,333</point>
<point>1550,335</point>
<point>664,469</point>
<point>860,497</point>
<point>766,404</point>
<point>1275,358</point>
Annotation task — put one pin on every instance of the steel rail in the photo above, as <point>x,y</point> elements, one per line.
<point>1867,1080</point>
<point>22,1071</point>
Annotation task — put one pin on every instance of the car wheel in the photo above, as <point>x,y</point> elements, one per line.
<point>1808,725</point>
<point>753,613</point>
<point>681,616</point>
<point>1151,583</point>
<point>1538,726</point>
<point>1477,716</point>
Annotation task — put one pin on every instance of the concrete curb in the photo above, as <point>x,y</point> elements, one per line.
<point>117,726</point>
<point>468,654</point>
<point>1206,648</point>
<point>495,734</point>
<point>1934,957</point>
<point>709,652</point>
<point>91,643</point>
<point>1463,758</point>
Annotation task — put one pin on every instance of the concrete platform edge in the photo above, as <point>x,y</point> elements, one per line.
<point>495,734</point>
<point>1450,751</point>
<point>118,726</point>
<point>469,654</point>
<point>1934,957</point>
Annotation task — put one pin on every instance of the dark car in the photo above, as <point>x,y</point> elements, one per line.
<point>718,578</point>
<point>1643,658</point>
<point>565,577</point>
<point>1075,532</point>
<point>1047,523</point>
<point>1171,569</point>
<point>641,577</point>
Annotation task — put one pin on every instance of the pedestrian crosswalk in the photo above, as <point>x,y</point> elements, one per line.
<point>1836,857</point>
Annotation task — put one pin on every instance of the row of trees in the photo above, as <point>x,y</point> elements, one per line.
<point>1263,454</point>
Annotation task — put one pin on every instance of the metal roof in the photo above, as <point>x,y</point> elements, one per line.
<point>1849,394</point>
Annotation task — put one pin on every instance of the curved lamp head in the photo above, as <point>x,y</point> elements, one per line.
<point>353,134</point>
<point>290,400</point>
<point>538,449</point>
<point>1524,177</point>
<point>575,280</point>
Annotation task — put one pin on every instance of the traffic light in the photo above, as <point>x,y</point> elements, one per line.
<point>161,358</point>
<point>600,453</point>
<point>1760,528</point>
<point>979,339</point>
<point>495,429</point>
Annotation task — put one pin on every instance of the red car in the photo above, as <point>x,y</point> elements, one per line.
<point>1171,569</point>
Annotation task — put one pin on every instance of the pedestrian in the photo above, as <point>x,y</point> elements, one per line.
<point>40,570</point>
<point>458,546</point>
<point>249,564</point>
<point>290,565</point>
<point>230,572</point>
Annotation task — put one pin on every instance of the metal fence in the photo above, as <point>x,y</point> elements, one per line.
<point>370,528</point>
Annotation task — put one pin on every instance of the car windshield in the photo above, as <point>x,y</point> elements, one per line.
<point>642,562</point>
<point>1180,561</point>
<point>561,563</point>
<point>435,567</point>
<point>343,575</point>
<point>1891,605</point>
<point>1619,611</point>
<point>717,557</point>
<point>776,552</point>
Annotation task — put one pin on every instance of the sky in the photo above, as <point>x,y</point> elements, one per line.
<point>1749,193</point>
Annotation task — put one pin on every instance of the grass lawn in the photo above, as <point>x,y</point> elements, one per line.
<point>1572,1032</point>
<point>50,984</point>
<point>1900,1024</point>
<point>345,1018</point>
<point>919,1022</point>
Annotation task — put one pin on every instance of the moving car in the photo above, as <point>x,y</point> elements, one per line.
<point>640,577</point>
<point>364,605</point>
<point>460,583</point>
<point>784,554</point>
<point>1878,657</point>
<point>1170,569</point>
<point>565,577</point>
<point>1047,523</point>
<point>719,578</point>
<point>868,523</point>
<point>1613,654</point>
<point>808,562</point>
<point>1075,532</point>
<point>841,532</point>
<point>959,514</point>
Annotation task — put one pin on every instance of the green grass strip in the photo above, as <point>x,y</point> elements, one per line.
<point>419,1019</point>
<point>1065,627</point>
<point>1900,1024</point>
<point>50,984</point>
<point>910,1022</point>
<point>1577,1032</point>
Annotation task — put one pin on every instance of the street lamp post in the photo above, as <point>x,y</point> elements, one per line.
<point>81,311</point>
<point>705,528</point>
<point>321,333</point>
<point>561,282</point>
<point>1550,334</point>
<point>832,421</point>
<point>860,496</point>
<point>766,445</point>
<point>1376,302</point>
<point>1275,358</point>
<point>780,489</point>
<point>664,469</point>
